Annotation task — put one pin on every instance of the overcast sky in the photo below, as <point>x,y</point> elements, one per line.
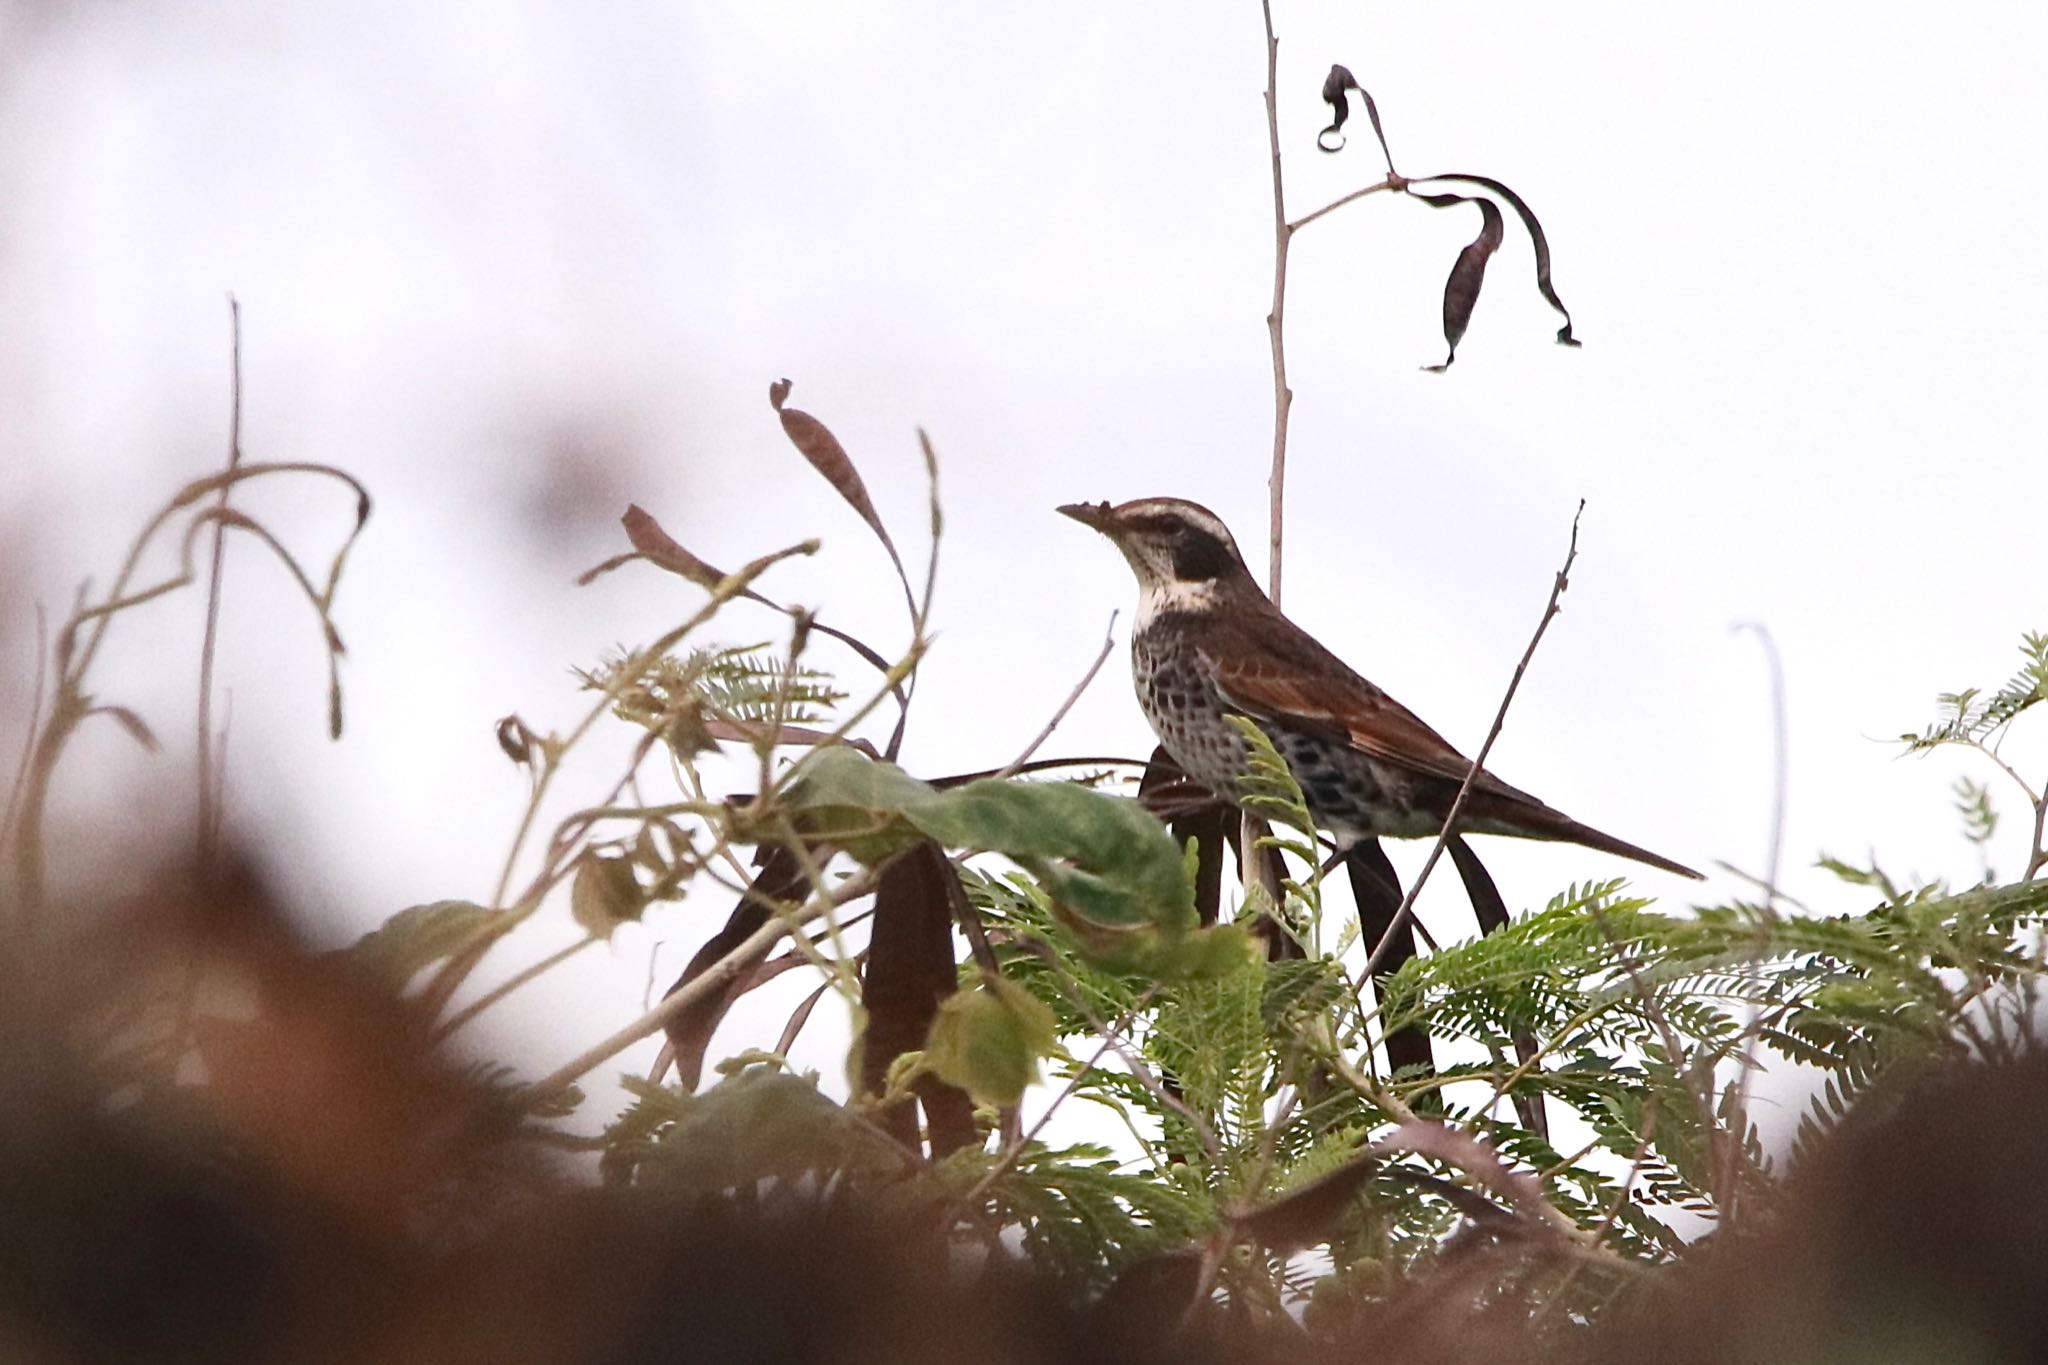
<point>517,264</point>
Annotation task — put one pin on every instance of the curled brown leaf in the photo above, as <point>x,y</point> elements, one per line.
<point>779,877</point>
<point>1541,243</point>
<point>910,970</point>
<point>660,548</point>
<point>1336,85</point>
<point>1309,1213</point>
<point>1468,272</point>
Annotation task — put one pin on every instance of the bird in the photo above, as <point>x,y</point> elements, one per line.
<point>1208,644</point>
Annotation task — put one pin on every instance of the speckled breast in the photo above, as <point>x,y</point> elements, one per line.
<point>1347,792</point>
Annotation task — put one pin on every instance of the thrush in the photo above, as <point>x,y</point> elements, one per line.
<point>1208,644</point>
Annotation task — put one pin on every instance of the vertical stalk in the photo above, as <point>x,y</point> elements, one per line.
<point>209,776</point>
<point>1259,865</point>
<point>1283,397</point>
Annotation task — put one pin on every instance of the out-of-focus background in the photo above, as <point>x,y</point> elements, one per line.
<point>515,265</point>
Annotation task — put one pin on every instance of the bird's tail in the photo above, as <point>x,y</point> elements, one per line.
<point>1534,820</point>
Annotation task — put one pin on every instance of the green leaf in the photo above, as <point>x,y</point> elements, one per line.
<point>416,937</point>
<point>759,1123</point>
<point>1114,874</point>
<point>605,893</point>
<point>988,1041</point>
<point>845,797</point>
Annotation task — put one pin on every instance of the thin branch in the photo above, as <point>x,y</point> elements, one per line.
<point>1500,716</point>
<point>35,718</point>
<point>715,978</point>
<point>1440,1142</point>
<point>1011,768</point>
<point>1283,397</point>
<point>1780,761</point>
<point>1730,1187</point>
<point>1141,1073</point>
<point>1392,182</point>
<point>510,984</point>
<point>1259,866</point>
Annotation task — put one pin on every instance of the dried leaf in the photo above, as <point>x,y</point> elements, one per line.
<point>910,970</point>
<point>816,443</point>
<point>658,547</point>
<point>416,937</point>
<point>1309,1214</point>
<point>137,728</point>
<point>515,740</point>
<point>779,876</point>
<point>605,894</point>
<point>1335,85</point>
<point>1541,243</point>
<point>1468,272</point>
<point>797,1019</point>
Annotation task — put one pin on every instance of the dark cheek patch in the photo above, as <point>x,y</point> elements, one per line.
<point>1197,557</point>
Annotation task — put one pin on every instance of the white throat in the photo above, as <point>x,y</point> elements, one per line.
<point>1164,596</point>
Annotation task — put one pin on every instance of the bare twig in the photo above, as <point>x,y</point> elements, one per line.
<point>1780,761</point>
<point>1729,1187</point>
<point>1500,716</point>
<point>1260,866</point>
<point>35,719</point>
<point>1016,764</point>
<point>510,984</point>
<point>1141,1073</point>
<point>1440,1142</point>
<point>799,1018</point>
<point>72,656</point>
<point>2037,856</point>
<point>1283,397</point>
<point>1392,182</point>
<point>715,978</point>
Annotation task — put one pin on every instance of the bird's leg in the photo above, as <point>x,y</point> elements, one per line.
<point>1377,889</point>
<point>1492,913</point>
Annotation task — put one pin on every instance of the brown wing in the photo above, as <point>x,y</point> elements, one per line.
<point>1281,674</point>
<point>1267,667</point>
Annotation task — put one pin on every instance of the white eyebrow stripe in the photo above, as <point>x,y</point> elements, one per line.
<point>1182,510</point>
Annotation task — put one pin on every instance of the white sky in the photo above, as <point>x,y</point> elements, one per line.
<point>516,264</point>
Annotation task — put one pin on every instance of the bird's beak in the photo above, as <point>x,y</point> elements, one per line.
<point>1099,516</point>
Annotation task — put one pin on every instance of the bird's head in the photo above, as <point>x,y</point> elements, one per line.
<point>1181,552</point>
